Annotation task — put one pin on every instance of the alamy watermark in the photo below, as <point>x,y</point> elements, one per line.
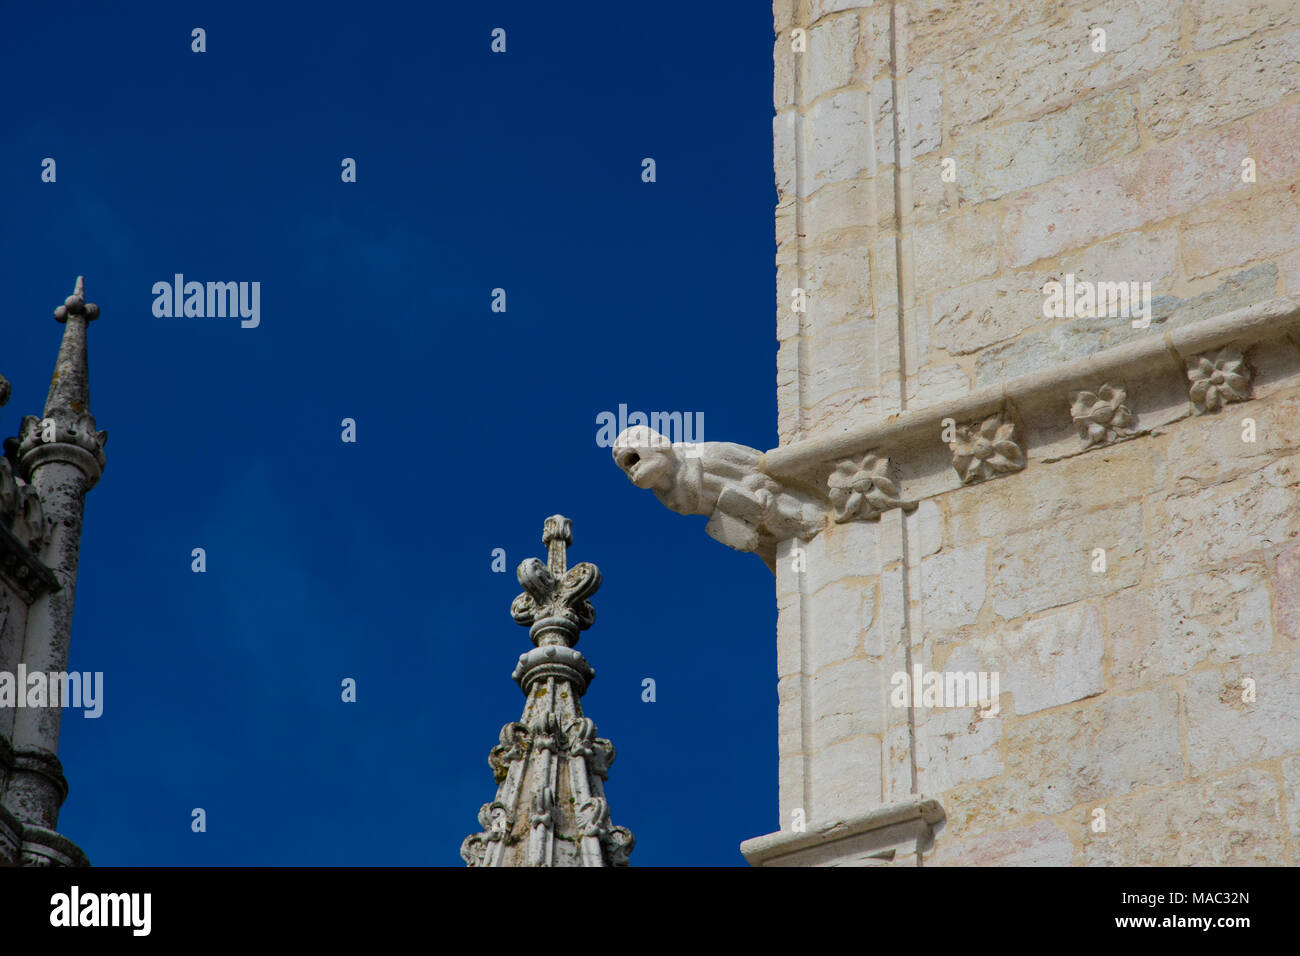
<point>685,428</point>
<point>75,908</point>
<point>946,689</point>
<point>1081,299</point>
<point>213,300</point>
<point>84,689</point>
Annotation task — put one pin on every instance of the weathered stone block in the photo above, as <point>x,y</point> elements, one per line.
<point>1216,89</point>
<point>783,153</point>
<point>846,701</point>
<point>1040,844</point>
<point>1045,662</point>
<point>1224,731</point>
<point>1036,351</point>
<point>1253,225</point>
<point>838,283</point>
<point>1286,594</point>
<point>941,29</point>
<point>1155,184</point>
<point>843,357</point>
<point>789,715</point>
<point>838,142</point>
<point>1051,566</point>
<point>1225,524</point>
<point>784,62</point>
<point>839,210</point>
<point>841,614</point>
<point>820,8</point>
<point>1006,159</point>
<point>955,747</point>
<point>1233,821</point>
<point>831,56</point>
<point>1209,450</point>
<point>1054,61</point>
<point>925,105</point>
<point>1168,631</point>
<point>956,249</point>
<point>1060,759</point>
<point>1291,793</point>
<point>845,779</point>
<point>953,587</point>
<point>1216,22</point>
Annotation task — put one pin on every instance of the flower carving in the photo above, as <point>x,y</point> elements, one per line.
<point>862,489</point>
<point>1218,381</point>
<point>1101,416</point>
<point>986,449</point>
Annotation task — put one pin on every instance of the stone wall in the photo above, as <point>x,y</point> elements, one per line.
<point>1135,588</point>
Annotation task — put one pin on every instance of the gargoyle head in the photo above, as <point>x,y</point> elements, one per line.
<point>646,456</point>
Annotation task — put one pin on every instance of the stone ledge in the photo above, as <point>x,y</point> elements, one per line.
<point>870,837</point>
<point>801,461</point>
<point>42,847</point>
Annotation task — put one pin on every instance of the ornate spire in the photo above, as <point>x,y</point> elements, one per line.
<point>67,421</point>
<point>550,767</point>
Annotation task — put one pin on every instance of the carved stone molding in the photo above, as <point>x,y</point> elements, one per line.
<point>756,500</point>
<point>894,834</point>
<point>1102,417</point>
<point>1157,354</point>
<point>1218,379</point>
<point>986,449</point>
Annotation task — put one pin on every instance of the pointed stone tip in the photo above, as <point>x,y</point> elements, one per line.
<point>557,526</point>
<point>76,304</point>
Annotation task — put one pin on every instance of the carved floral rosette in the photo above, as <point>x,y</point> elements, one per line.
<point>862,489</point>
<point>1103,416</point>
<point>1218,379</point>
<point>986,449</point>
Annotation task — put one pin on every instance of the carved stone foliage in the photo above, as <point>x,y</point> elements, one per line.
<point>862,489</point>
<point>575,741</point>
<point>496,819</point>
<point>554,592</point>
<point>514,744</point>
<point>986,449</point>
<point>747,509</point>
<point>1218,379</point>
<point>549,766</point>
<point>1101,416</point>
<point>594,821</point>
<point>581,739</point>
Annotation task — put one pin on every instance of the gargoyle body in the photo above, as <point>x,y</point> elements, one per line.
<point>747,509</point>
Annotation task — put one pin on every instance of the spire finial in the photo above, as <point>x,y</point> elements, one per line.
<point>76,304</point>
<point>550,767</point>
<point>67,404</point>
<point>554,602</point>
<point>557,535</point>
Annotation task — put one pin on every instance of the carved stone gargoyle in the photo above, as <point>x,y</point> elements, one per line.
<point>747,509</point>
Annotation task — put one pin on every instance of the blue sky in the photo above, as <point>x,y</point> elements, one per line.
<point>373,560</point>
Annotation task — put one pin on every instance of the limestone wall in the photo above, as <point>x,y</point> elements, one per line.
<point>1138,595</point>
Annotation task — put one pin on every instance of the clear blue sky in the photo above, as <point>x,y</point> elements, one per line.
<point>373,560</point>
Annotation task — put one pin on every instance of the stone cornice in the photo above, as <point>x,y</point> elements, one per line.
<point>42,847</point>
<point>755,500</point>
<point>914,819</point>
<point>1170,349</point>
